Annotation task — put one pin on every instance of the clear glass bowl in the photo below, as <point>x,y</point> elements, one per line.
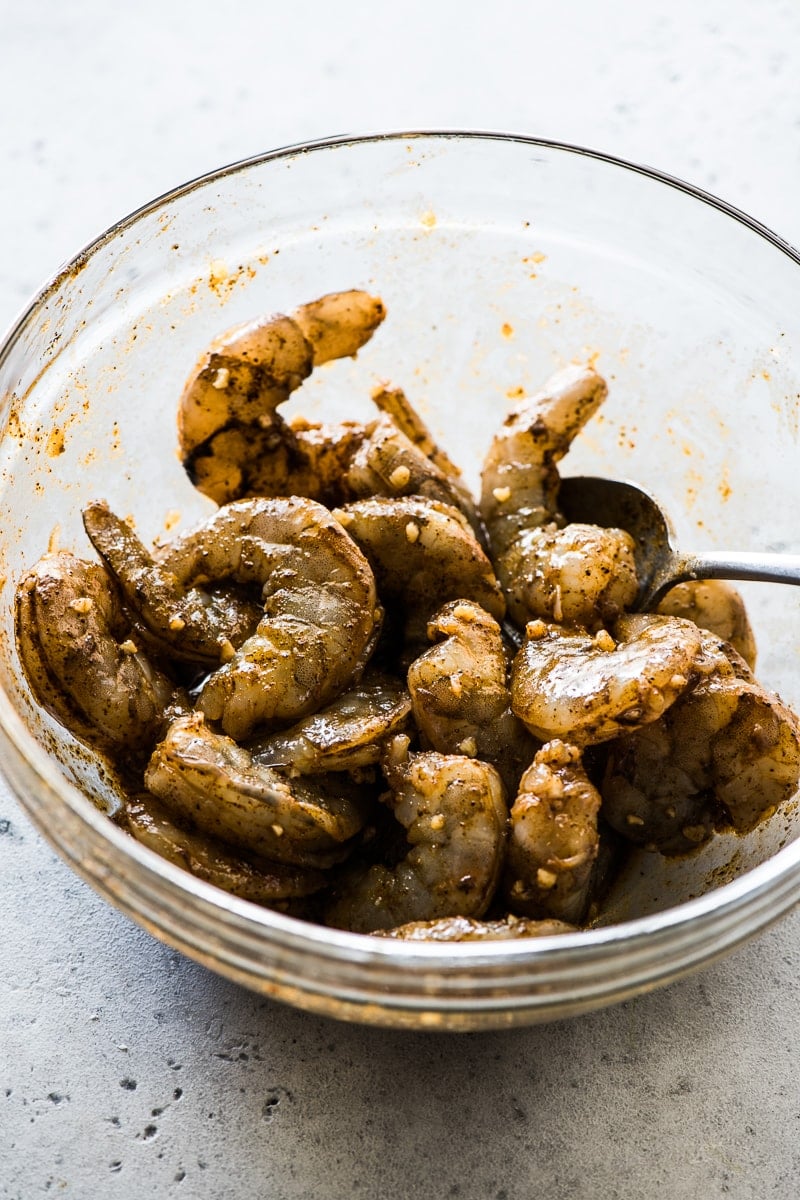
<point>499,258</point>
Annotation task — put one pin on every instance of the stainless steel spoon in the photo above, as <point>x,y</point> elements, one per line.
<point>660,565</point>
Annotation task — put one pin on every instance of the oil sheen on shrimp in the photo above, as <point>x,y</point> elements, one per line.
<point>207,858</point>
<point>346,735</point>
<point>320,607</point>
<point>76,646</point>
<point>454,812</point>
<point>460,694</point>
<point>716,606</point>
<point>554,840</point>
<point>205,778</point>
<point>586,688</point>
<point>725,755</point>
<point>467,929</point>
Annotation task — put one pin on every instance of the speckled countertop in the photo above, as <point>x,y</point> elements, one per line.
<point>126,1070</point>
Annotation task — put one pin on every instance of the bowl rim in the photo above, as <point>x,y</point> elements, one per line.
<point>293,932</point>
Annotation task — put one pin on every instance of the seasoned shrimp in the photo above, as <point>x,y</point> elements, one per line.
<point>346,735</point>
<point>320,608</point>
<point>581,575</point>
<point>190,623</point>
<point>467,929</point>
<point>250,370</point>
<point>726,754</point>
<point>459,690</point>
<point>78,652</point>
<point>388,463</point>
<point>554,841</point>
<point>520,478</point>
<point>241,873</point>
<point>714,605</point>
<point>585,689</point>
<point>423,553</point>
<point>205,778</point>
<point>455,814</point>
<point>395,403</point>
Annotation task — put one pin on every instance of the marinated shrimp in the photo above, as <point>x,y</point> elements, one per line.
<point>423,553</point>
<point>251,369</point>
<point>272,612</point>
<point>467,929</point>
<point>588,688</point>
<point>78,652</point>
<point>319,616</point>
<point>716,606</point>
<point>553,842</point>
<point>580,574</point>
<point>455,815</point>
<point>726,754</point>
<point>206,858</point>
<point>460,694</point>
<point>344,736</point>
<point>207,779</point>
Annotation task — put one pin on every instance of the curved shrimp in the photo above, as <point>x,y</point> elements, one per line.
<point>251,369</point>
<point>579,574</point>
<point>346,735</point>
<point>320,608</point>
<point>586,689</point>
<point>423,553</point>
<point>726,754</point>
<point>460,694</point>
<point>520,478</point>
<point>77,649</point>
<point>716,606</point>
<point>206,778</point>
<point>455,815</point>
<point>242,874</point>
<point>467,929</point>
<point>554,841</point>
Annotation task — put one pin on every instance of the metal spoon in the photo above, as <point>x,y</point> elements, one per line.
<point>660,565</point>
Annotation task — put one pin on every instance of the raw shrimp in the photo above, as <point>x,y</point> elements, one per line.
<point>251,369</point>
<point>580,575</point>
<point>396,404</point>
<point>585,689</point>
<point>714,605</point>
<point>190,623</point>
<point>726,754</point>
<point>388,463</point>
<point>78,652</point>
<point>205,778</point>
<point>244,875</point>
<point>467,929</point>
<point>520,479</point>
<point>423,553</point>
<point>554,841</point>
<point>455,814</point>
<point>320,608</point>
<point>459,689</point>
<point>347,735</point>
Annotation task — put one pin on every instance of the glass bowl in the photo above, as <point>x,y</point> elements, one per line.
<point>499,258</point>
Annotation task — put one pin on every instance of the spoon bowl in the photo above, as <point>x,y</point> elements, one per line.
<point>618,504</point>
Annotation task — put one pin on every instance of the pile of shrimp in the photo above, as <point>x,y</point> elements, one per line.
<point>358,696</point>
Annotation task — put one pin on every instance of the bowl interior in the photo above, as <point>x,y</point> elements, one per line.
<point>499,261</point>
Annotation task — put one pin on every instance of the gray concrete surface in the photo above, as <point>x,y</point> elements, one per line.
<point>126,1070</point>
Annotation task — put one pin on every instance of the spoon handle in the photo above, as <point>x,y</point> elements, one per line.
<point>725,564</point>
